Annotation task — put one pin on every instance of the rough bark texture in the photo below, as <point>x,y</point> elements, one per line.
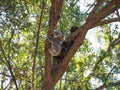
<point>55,70</point>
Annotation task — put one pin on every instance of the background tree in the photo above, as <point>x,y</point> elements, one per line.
<point>23,29</point>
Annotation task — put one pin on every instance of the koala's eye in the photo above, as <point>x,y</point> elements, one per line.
<point>56,33</point>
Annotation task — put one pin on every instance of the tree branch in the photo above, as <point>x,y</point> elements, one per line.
<point>36,46</point>
<point>111,7</point>
<point>103,55</point>
<point>55,10</point>
<point>107,21</point>
<point>8,59</point>
<point>96,8</point>
<point>108,85</point>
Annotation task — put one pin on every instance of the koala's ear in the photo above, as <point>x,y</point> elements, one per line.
<point>62,32</point>
<point>73,29</point>
<point>56,32</point>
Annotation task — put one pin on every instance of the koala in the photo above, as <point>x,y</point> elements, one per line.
<point>56,43</point>
<point>73,29</point>
<point>59,35</point>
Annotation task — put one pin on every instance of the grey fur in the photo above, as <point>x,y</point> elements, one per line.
<point>56,43</point>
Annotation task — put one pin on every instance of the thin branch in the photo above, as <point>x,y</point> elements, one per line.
<point>101,57</point>
<point>72,4</point>
<point>8,85</point>
<point>4,74</point>
<point>96,7</point>
<point>2,50</point>
<point>112,84</point>
<point>9,60</point>
<point>117,41</point>
<point>108,9</point>
<point>110,73</point>
<point>37,41</point>
<point>90,7</point>
<point>117,13</point>
<point>106,21</point>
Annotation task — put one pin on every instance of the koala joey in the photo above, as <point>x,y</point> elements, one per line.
<point>73,29</point>
<point>56,43</point>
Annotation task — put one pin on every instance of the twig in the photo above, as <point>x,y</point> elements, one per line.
<point>8,61</point>
<point>36,46</point>
<point>108,85</point>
